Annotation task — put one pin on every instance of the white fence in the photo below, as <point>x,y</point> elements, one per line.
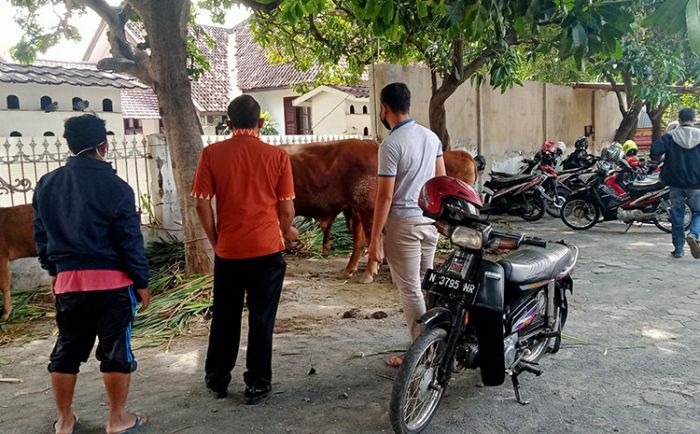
<point>290,140</point>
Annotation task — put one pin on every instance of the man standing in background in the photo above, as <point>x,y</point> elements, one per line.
<point>408,157</point>
<point>254,190</point>
<point>681,172</point>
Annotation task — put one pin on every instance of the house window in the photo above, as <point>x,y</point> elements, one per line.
<point>15,134</point>
<point>49,134</point>
<point>364,111</point>
<point>297,120</point>
<point>12,102</point>
<point>46,102</point>
<point>133,126</point>
<point>107,105</point>
<point>365,131</point>
<point>352,109</point>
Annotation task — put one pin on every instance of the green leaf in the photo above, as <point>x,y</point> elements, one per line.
<point>422,9</point>
<point>692,16</point>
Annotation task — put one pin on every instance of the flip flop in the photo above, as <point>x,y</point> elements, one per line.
<point>140,421</point>
<point>394,362</point>
<point>75,423</point>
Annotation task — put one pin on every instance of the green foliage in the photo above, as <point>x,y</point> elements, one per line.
<point>38,38</point>
<point>651,60</point>
<point>270,126</point>
<point>454,38</point>
<point>678,18</point>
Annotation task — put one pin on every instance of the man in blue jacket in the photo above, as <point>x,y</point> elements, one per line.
<point>88,237</point>
<point>681,171</point>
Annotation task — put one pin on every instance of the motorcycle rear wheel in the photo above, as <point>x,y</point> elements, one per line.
<point>416,395</point>
<point>579,214</point>
<point>535,207</point>
<point>664,224</point>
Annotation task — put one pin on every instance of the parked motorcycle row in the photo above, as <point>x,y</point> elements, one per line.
<point>503,316</point>
<point>582,189</point>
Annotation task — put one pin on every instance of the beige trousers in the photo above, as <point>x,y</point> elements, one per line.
<point>410,250</point>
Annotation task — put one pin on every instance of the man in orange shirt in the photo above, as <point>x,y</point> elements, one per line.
<point>254,190</point>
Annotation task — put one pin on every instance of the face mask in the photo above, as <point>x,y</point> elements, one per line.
<point>385,123</point>
<point>96,148</point>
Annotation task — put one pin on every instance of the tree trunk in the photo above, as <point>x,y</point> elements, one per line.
<point>628,126</point>
<point>437,114</point>
<point>166,25</point>
<point>656,115</point>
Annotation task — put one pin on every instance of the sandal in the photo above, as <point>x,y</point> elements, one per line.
<point>140,421</point>
<point>395,361</point>
<point>75,422</point>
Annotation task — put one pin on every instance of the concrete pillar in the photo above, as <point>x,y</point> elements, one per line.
<point>166,208</point>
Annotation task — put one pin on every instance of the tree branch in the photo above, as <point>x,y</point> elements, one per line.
<point>125,57</point>
<point>627,81</point>
<point>618,94</point>
<point>316,33</point>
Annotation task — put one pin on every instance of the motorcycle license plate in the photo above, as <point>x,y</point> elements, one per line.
<point>443,284</point>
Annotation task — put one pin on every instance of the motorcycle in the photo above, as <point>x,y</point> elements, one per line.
<point>500,317</point>
<point>620,195</point>
<point>520,195</point>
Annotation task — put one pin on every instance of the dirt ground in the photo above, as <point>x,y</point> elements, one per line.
<point>630,366</point>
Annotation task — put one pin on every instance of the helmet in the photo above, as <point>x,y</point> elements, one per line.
<point>581,143</point>
<point>630,146</point>
<point>447,198</point>
<point>612,153</point>
<point>561,147</point>
<point>549,147</point>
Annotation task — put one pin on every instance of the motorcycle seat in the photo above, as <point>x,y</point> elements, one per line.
<point>508,181</point>
<point>536,264</point>
<point>645,187</point>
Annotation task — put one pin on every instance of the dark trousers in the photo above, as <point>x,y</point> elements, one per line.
<point>261,279</point>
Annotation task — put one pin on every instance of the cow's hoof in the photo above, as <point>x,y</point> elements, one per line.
<point>5,316</point>
<point>346,274</point>
<point>365,278</point>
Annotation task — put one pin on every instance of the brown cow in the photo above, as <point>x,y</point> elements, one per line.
<point>340,176</point>
<point>333,177</point>
<point>16,241</point>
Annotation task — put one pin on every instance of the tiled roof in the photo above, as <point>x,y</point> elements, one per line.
<point>254,71</point>
<point>212,91</point>
<point>139,104</point>
<point>57,75</point>
<point>358,91</point>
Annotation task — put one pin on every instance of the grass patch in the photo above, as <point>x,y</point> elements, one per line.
<point>179,301</point>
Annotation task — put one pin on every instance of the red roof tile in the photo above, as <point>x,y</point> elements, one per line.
<point>139,104</point>
<point>254,71</point>
<point>212,91</point>
<point>358,91</point>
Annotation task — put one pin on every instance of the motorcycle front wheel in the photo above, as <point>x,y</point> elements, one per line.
<point>416,393</point>
<point>554,207</point>
<point>663,217</point>
<point>579,214</point>
<point>534,205</point>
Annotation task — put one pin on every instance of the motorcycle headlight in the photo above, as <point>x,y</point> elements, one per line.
<point>467,238</point>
